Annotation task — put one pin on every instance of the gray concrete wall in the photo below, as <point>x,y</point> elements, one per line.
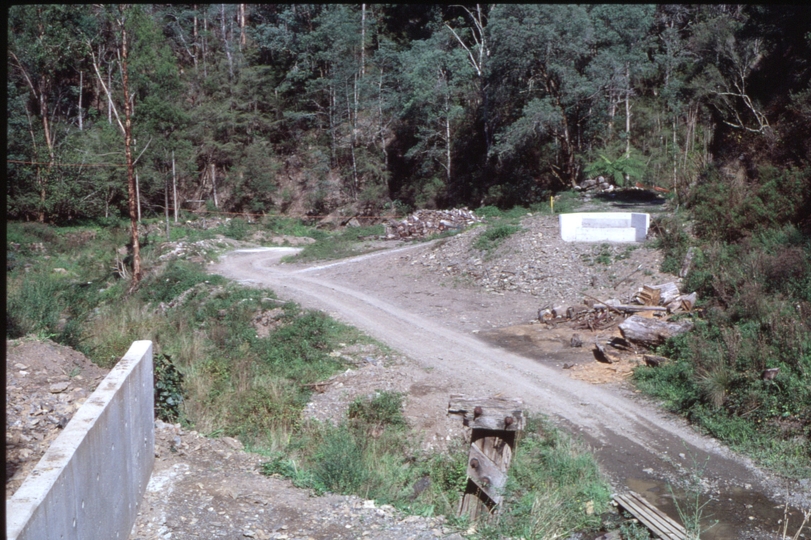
<point>89,483</point>
<point>604,227</point>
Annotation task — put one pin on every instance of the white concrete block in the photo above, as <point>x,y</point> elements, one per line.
<point>89,483</point>
<point>604,227</point>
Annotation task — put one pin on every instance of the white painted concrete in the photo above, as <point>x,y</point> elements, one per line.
<point>89,483</point>
<point>604,227</point>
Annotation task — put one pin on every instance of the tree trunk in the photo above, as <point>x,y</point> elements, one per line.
<point>362,40</point>
<point>109,98</point>
<point>138,196</point>
<point>214,184</point>
<point>205,35</point>
<point>352,122</point>
<point>627,112</point>
<point>174,184</point>
<point>225,42</point>
<point>166,208</point>
<point>651,332</point>
<point>242,40</point>
<point>81,84</point>
<point>131,183</point>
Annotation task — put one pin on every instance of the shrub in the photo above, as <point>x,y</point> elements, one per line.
<point>672,239</point>
<point>237,229</point>
<point>32,304</point>
<point>491,238</point>
<point>383,409</point>
<point>168,389</point>
<point>339,462</point>
<point>177,277</point>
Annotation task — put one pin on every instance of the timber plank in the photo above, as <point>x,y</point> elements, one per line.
<point>489,413</point>
<point>653,518</point>
<point>672,525</point>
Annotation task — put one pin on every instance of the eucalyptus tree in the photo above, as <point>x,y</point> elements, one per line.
<point>437,85</point>
<point>45,62</point>
<point>728,56</point>
<point>542,90</point>
<point>623,41</point>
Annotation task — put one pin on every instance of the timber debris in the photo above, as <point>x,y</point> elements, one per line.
<point>641,323</point>
<point>425,223</point>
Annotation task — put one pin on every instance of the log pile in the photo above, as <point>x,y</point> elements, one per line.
<point>643,321</point>
<point>425,223</point>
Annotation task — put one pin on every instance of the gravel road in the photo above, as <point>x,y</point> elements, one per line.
<point>436,316</point>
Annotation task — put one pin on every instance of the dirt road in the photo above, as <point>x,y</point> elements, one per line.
<point>436,324</point>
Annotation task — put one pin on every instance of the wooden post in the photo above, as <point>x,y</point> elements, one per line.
<point>494,422</point>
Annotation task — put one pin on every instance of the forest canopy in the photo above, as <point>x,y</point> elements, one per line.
<point>308,108</point>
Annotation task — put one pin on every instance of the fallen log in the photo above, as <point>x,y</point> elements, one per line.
<point>652,332</point>
<point>654,361</point>
<point>626,308</point>
<point>604,356</point>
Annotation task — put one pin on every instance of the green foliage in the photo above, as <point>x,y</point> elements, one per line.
<point>552,481</point>
<point>178,277</point>
<point>383,409</point>
<point>672,239</point>
<point>340,244</point>
<point>339,464</point>
<point>237,229</point>
<point>634,530</point>
<point>168,389</point>
<point>725,208</point>
<point>494,236</point>
<point>620,170</point>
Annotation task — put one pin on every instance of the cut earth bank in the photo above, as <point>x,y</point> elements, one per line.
<point>465,323</point>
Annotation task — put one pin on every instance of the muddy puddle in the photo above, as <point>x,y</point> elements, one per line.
<point>731,508</point>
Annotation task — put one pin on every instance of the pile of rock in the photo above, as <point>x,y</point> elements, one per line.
<point>595,184</point>
<point>424,223</point>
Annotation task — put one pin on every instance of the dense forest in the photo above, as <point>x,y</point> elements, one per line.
<point>309,108</point>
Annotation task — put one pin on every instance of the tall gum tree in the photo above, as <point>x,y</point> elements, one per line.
<point>541,90</point>
<point>43,53</point>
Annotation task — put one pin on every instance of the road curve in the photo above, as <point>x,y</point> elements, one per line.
<point>635,442</point>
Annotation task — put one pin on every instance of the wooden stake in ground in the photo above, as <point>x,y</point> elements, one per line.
<point>495,422</point>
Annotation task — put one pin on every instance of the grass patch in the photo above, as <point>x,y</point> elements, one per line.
<point>292,227</point>
<point>554,489</point>
<point>347,242</point>
<point>494,236</point>
<point>752,322</point>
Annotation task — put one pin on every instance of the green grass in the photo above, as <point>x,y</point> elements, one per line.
<point>347,242</point>
<point>552,482</point>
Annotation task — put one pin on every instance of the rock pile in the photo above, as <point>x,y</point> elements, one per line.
<point>424,223</point>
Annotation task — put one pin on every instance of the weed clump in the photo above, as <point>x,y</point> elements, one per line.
<point>751,268</point>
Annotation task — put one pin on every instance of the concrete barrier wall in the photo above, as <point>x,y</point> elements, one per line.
<point>604,227</point>
<point>89,483</point>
